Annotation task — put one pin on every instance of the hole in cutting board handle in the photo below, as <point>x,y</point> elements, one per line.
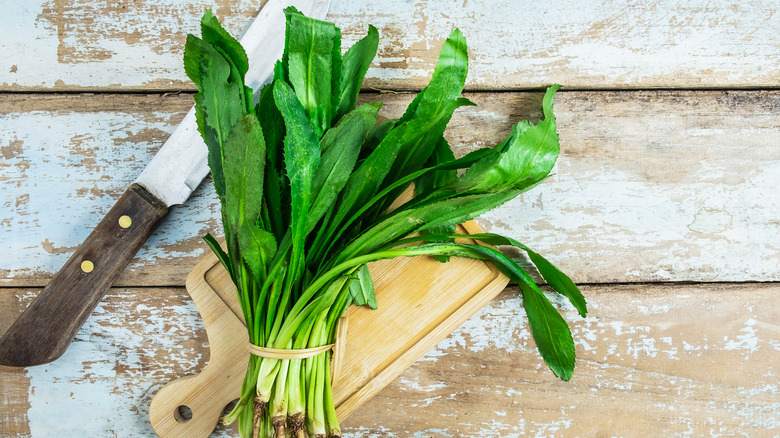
<point>182,414</point>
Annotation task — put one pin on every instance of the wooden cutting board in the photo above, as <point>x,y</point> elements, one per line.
<point>421,301</point>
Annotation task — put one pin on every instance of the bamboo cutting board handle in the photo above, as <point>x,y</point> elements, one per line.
<point>205,395</point>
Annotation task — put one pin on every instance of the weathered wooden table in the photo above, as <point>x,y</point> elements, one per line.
<point>664,206</point>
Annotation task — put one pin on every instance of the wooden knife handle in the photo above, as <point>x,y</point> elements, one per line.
<point>43,332</point>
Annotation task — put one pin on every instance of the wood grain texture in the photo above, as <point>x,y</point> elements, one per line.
<point>650,185</point>
<point>84,45</point>
<point>658,360</point>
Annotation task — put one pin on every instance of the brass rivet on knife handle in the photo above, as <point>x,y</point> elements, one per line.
<point>87,266</point>
<point>58,312</point>
<point>125,221</point>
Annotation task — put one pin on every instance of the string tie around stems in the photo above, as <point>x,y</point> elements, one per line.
<point>305,353</point>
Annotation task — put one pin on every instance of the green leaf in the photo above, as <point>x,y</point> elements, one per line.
<point>410,143</point>
<point>213,32</point>
<point>447,80</point>
<point>421,199</point>
<point>413,155</point>
<point>559,281</point>
<point>347,224</point>
<point>362,289</point>
<point>313,57</point>
<point>360,120</point>
<point>366,180</point>
<point>524,160</point>
<point>361,185</point>
<point>301,158</point>
<point>551,333</point>
<point>244,164</point>
<point>218,103</point>
<point>246,422</point>
<point>220,253</point>
<point>340,148</point>
<point>551,274</point>
<point>375,137</point>
<point>354,66</point>
<point>276,188</point>
<point>257,247</point>
<point>438,178</point>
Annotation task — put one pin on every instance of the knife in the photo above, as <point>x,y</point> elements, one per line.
<point>45,329</point>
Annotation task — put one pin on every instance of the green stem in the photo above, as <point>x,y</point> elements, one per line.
<point>279,406</point>
<point>247,391</point>
<point>331,418</point>
<point>316,385</point>
<point>296,389</point>
<point>266,376</point>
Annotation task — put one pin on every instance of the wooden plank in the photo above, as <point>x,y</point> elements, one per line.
<point>650,186</point>
<point>653,360</point>
<point>81,44</point>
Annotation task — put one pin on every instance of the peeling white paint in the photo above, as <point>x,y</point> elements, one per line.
<point>692,228</point>
<point>414,385</point>
<point>424,403</point>
<point>431,433</point>
<point>746,341</point>
<point>364,432</point>
<point>633,197</point>
<point>490,327</point>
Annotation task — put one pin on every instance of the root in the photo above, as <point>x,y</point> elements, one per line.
<point>279,423</point>
<point>298,425</point>
<point>259,410</point>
